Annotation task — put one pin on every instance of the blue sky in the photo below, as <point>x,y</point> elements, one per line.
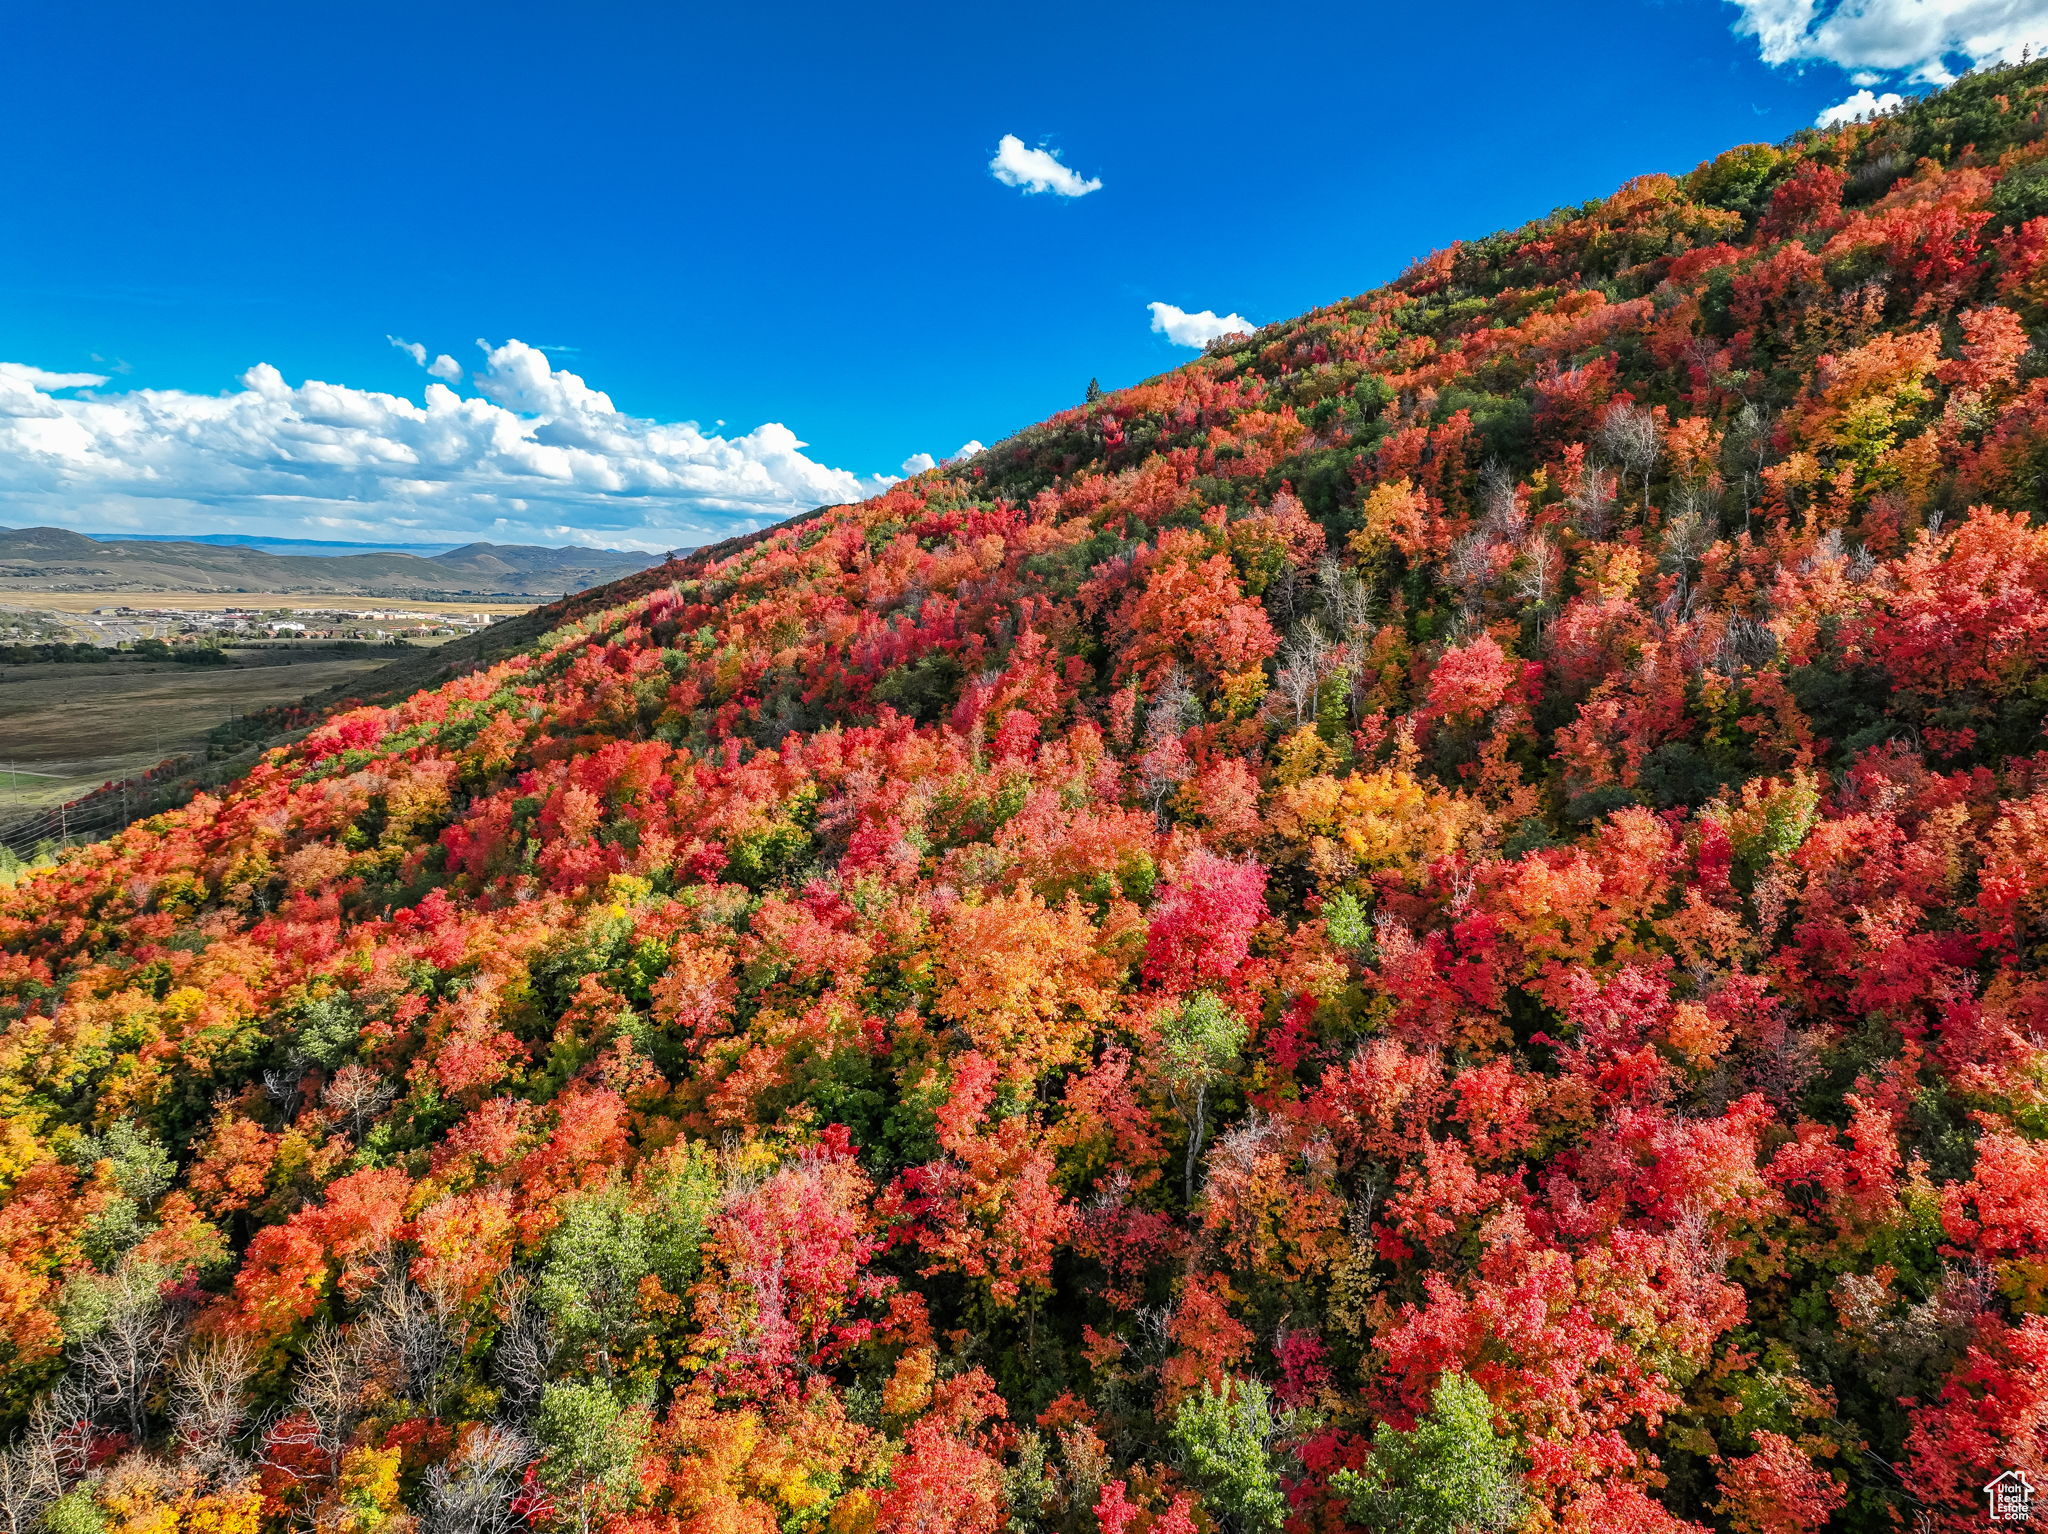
<point>765,214</point>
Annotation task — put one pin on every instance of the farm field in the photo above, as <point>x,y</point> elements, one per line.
<point>67,728</point>
<point>84,617</point>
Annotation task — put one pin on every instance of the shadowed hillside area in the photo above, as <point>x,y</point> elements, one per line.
<point>1432,923</point>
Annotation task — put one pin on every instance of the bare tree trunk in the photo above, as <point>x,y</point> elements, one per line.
<point>29,1482</point>
<point>33,1471</point>
<point>472,1492</point>
<point>121,1361</point>
<point>525,1351</point>
<point>333,1369</point>
<point>421,1332</point>
<point>209,1407</point>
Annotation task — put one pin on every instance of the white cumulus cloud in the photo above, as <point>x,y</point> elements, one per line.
<point>21,375</point>
<point>1037,170</point>
<point>1919,39</point>
<point>1862,104</point>
<point>919,463</point>
<point>534,456</point>
<point>1199,329</point>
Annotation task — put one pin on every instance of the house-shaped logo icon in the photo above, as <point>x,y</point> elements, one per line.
<point>2011,1497</point>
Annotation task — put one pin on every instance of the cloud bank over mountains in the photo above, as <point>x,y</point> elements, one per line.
<point>535,455</point>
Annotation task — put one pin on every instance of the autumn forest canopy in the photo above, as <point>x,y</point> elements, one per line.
<point>1435,922</point>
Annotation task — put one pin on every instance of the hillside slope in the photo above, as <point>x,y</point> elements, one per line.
<point>1435,921</point>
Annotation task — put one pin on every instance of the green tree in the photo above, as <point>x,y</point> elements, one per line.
<point>1349,925</point>
<point>74,1513</point>
<point>2021,193</point>
<point>142,1169</point>
<point>590,1442</point>
<point>1452,1473</point>
<point>1199,1043</point>
<point>328,1029</point>
<point>1094,391</point>
<point>590,1279</point>
<point>12,866</point>
<point>1226,1440</point>
<point>680,1201</point>
<point>1736,178</point>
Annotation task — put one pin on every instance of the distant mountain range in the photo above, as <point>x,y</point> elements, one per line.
<point>278,545</point>
<point>46,559</point>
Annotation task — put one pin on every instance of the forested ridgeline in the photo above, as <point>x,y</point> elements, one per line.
<point>1433,922</point>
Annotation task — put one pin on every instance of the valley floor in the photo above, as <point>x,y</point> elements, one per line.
<point>67,728</point>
